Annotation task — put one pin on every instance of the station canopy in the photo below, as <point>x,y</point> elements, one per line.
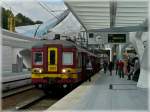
<point>110,15</point>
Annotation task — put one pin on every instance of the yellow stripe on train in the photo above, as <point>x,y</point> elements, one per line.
<point>64,76</point>
<point>67,70</point>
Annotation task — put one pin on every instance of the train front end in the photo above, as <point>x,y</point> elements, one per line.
<point>54,65</point>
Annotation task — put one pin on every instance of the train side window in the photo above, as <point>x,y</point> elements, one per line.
<point>52,57</point>
<point>67,58</point>
<point>79,60</point>
<point>38,58</point>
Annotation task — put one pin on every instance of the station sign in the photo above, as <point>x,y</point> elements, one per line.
<point>131,51</point>
<point>116,38</point>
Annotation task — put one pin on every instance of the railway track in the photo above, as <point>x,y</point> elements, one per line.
<point>38,103</point>
<point>15,83</point>
<point>42,102</point>
<point>29,102</point>
<point>31,99</point>
<point>17,91</point>
<point>11,100</point>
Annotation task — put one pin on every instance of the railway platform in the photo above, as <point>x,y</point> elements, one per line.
<point>10,76</point>
<point>12,80</point>
<point>10,73</point>
<point>104,93</point>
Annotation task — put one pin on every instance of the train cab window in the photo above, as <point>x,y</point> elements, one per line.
<point>67,58</point>
<point>38,58</point>
<point>52,57</point>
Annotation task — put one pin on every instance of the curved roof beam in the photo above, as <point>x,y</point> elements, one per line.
<point>43,28</point>
<point>122,29</point>
<point>113,7</point>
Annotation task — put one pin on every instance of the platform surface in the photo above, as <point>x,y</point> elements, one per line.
<point>10,76</point>
<point>10,73</point>
<point>97,96</point>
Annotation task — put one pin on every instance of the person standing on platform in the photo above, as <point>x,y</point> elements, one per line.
<point>130,71</point>
<point>121,66</point>
<point>89,69</point>
<point>117,64</point>
<point>128,67</point>
<point>105,66</point>
<point>110,67</point>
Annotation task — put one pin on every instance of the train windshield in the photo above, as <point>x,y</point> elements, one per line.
<point>52,57</point>
<point>38,58</point>
<point>67,58</point>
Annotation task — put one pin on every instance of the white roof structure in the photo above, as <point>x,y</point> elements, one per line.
<point>110,15</point>
<point>16,40</point>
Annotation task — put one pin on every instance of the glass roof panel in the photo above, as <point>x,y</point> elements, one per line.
<point>92,14</point>
<point>89,4</point>
<point>131,13</point>
<point>136,14</point>
<point>96,14</point>
<point>130,18</point>
<point>132,4</point>
<point>133,9</point>
<point>91,9</point>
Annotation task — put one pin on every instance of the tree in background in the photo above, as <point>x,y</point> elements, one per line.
<point>20,19</point>
<point>5,15</point>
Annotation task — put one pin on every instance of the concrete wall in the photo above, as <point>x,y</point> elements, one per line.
<point>9,57</point>
<point>26,55</point>
<point>137,39</point>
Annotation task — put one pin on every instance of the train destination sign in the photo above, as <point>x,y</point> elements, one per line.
<point>116,38</point>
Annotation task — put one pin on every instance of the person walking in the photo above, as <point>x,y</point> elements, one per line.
<point>130,73</point>
<point>89,69</point>
<point>120,67</point>
<point>128,67</point>
<point>105,66</point>
<point>110,67</point>
<point>117,64</point>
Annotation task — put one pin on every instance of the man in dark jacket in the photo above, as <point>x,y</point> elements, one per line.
<point>105,66</point>
<point>110,67</point>
<point>117,64</point>
<point>89,69</point>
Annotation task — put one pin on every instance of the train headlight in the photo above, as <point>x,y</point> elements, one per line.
<point>37,70</point>
<point>40,70</point>
<point>63,70</point>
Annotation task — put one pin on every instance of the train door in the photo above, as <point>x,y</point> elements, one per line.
<point>52,59</point>
<point>84,65</point>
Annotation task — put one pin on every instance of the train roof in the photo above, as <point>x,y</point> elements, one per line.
<point>64,43</point>
<point>86,51</point>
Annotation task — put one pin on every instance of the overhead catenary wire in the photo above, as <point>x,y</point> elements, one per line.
<point>45,8</point>
<point>43,5</point>
<point>51,9</point>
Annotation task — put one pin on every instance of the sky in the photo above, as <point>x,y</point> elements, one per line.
<point>32,8</point>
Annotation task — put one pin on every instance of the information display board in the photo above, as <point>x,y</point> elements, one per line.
<point>116,38</point>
